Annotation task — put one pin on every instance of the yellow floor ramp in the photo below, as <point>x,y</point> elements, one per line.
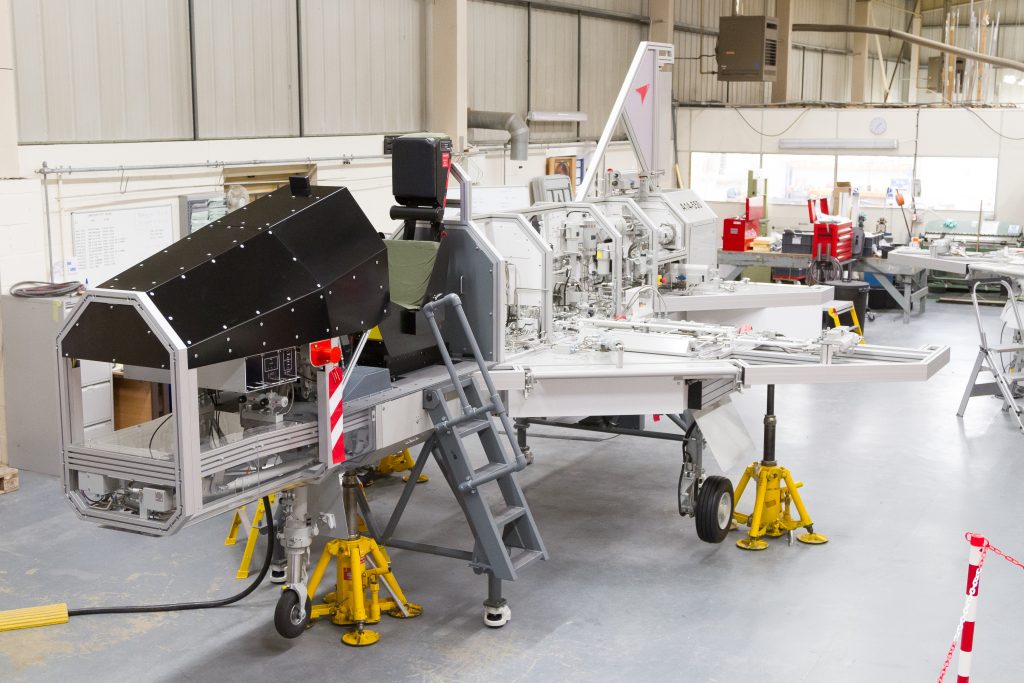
<point>30,617</point>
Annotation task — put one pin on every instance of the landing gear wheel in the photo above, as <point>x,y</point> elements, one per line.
<point>715,506</point>
<point>496,617</point>
<point>286,615</point>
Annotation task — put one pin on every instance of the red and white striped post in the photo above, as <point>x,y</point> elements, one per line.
<point>327,356</point>
<point>963,668</point>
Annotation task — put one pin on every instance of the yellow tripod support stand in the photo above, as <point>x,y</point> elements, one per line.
<point>242,518</point>
<point>776,495</point>
<point>362,567</point>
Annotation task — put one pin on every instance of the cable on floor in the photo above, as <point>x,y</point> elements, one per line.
<point>207,604</point>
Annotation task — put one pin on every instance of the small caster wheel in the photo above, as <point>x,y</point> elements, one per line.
<point>715,507</point>
<point>289,619</point>
<point>276,573</point>
<point>496,617</point>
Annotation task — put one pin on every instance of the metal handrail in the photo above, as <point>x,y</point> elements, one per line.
<point>496,405</point>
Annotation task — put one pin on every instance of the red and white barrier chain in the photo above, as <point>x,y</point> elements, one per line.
<point>965,629</point>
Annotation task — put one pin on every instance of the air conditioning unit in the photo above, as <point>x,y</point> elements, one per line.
<point>747,48</point>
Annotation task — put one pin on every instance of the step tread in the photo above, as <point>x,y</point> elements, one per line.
<point>508,514</point>
<point>525,557</point>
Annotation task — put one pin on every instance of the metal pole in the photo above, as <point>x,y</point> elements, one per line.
<point>349,486</point>
<point>352,362</point>
<point>49,231</point>
<point>345,158</point>
<point>963,669</point>
<point>768,460</point>
<point>912,39</point>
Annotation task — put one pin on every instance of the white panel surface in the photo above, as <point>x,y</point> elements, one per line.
<point>246,68</point>
<point>363,66</point>
<point>102,70</point>
<point>723,130</point>
<point>959,133</point>
<point>796,123</point>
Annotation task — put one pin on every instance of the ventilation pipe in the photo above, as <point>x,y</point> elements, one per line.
<point>911,38</point>
<point>519,132</point>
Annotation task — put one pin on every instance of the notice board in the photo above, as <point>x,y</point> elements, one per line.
<point>110,241</point>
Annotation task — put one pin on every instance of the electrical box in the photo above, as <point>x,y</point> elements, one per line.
<point>747,48</point>
<point>30,328</point>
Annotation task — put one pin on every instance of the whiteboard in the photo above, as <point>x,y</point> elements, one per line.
<point>492,199</point>
<point>108,242</point>
<point>500,199</point>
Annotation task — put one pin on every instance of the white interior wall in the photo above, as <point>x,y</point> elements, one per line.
<point>933,132</point>
<point>22,227</point>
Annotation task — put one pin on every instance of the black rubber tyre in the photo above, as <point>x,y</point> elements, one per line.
<point>713,498</point>
<point>286,619</point>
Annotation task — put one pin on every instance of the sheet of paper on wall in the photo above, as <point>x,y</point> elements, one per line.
<point>106,242</point>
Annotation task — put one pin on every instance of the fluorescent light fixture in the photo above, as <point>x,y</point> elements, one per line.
<point>557,116</point>
<point>838,143</point>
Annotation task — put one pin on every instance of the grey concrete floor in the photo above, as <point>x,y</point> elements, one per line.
<point>891,475</point>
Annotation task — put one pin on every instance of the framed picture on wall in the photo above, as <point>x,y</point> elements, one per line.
<point>562,166</point>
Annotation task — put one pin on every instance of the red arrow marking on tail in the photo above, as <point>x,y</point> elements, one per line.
<point>643,92</point>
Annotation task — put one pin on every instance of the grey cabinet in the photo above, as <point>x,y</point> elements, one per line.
<point>30,329</point>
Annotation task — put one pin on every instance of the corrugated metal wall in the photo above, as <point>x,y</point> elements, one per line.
<point>549,61</point>
<point>606,48</point>
<point>363,66</point>
<point>554,60</point>
<point>247,68</point>
<point>120,69</point>
<point>818,70</point>
<point>499,68</point>
<point>97,71</point>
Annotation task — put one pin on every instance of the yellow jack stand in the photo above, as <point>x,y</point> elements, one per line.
<point>349,605</point>
<point>239,519</point>
<point>361,566</point>
<point>391,464</point>
<point>776,494</point>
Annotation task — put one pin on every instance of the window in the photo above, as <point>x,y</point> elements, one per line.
<point>795,178</point>
<point>958,183</point>
<point>718,177</point>
<point>877,178</point>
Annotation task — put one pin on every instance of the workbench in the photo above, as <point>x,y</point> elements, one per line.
<point>912,278</point>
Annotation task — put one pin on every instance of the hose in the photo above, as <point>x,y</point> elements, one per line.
<point>33,289</point>
<point>208,604</point>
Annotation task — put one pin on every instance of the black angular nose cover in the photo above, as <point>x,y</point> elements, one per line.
<point>283,271</point>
